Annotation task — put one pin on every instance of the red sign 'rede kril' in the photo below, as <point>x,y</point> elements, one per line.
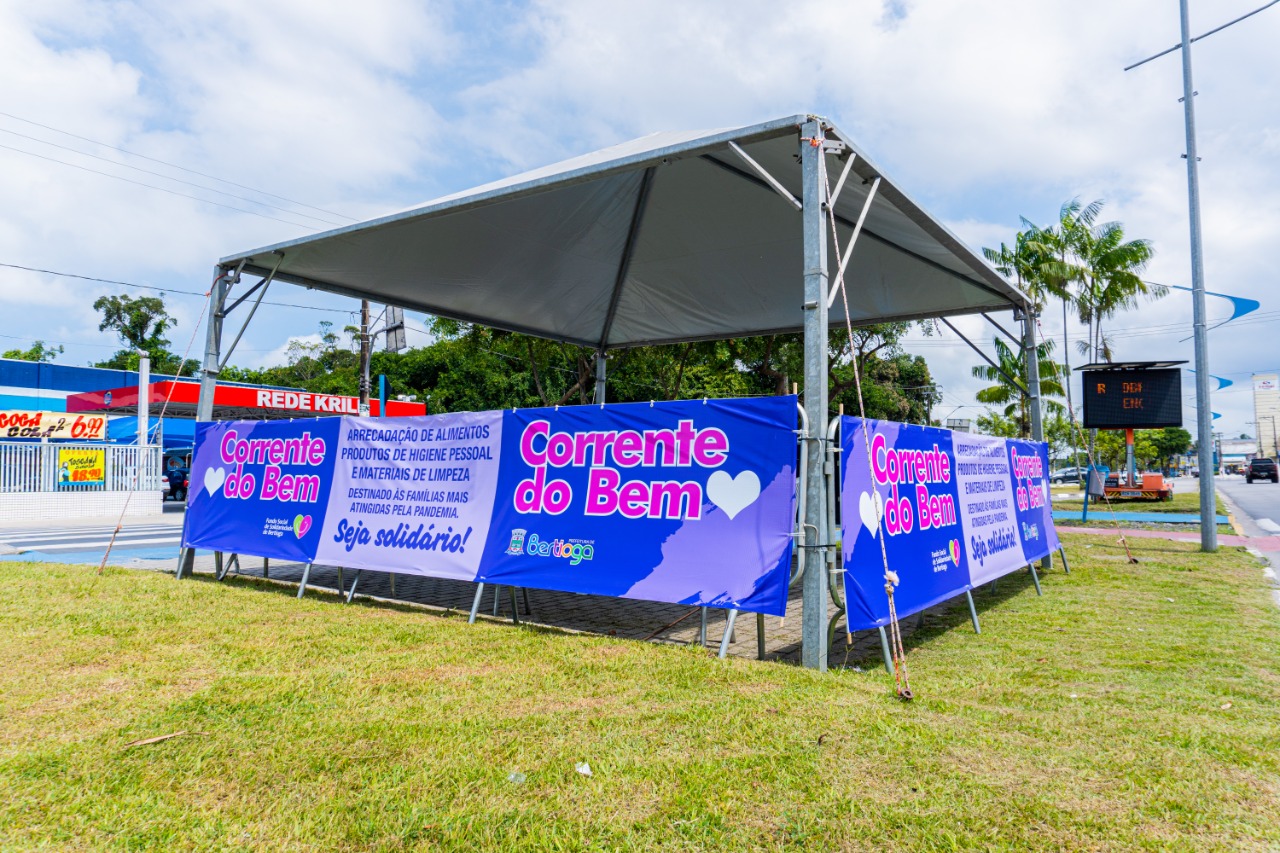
<point>180,399</point>
<point>307,402</point>
<point>17,423</point>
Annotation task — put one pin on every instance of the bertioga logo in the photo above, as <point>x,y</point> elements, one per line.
<point>573,550</point>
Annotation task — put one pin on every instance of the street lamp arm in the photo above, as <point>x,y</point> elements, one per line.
<point>1202,35</point>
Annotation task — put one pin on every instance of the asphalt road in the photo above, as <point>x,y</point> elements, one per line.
<point>86,540</point>
<point>1259,501</point>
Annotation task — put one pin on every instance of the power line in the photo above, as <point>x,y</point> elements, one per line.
<point>165,289</point>
<point>164,176</point>
<point>154,187</point>
<point>25,338</point>
<point>175,166</point>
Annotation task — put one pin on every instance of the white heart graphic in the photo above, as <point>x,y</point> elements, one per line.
<point>733,494</point>
<point>870,510</point>
<point>214,478</point>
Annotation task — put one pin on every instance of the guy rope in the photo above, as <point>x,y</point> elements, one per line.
<point>901,679</point>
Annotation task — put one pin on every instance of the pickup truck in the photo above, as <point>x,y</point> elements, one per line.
<point>1262,469</point>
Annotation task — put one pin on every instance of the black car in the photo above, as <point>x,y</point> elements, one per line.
<point>1262,469</point>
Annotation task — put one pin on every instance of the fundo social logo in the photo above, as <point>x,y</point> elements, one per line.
<point>944,556</point>
<point>608,453</point>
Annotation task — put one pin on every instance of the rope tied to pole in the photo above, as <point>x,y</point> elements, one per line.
<point>901,678</point>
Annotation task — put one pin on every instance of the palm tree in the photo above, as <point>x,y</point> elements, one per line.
<point>1042,262</point>
<point>1061,246</point>
<point>1111,281</point>
<point>1010,390</point>
<point>1022,262</point>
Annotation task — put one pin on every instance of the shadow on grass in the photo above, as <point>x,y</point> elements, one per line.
<point>554,612</point>
<point>543,611</point>
<point>920,629</point>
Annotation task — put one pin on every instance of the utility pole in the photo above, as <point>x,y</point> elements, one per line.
<point>144,399</point>
<point>365,388</point>
<point>1204,415</point>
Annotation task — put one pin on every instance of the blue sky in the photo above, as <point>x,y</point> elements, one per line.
<point>983,111</point>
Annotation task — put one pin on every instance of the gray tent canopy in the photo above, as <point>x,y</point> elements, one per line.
<point>673,237</point>
<point>669,238</point>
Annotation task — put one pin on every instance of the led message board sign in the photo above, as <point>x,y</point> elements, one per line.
<point>1132,399</point>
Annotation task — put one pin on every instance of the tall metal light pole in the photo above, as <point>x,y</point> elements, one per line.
<point>1204,416</point>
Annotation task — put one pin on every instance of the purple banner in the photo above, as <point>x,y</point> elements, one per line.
<point>687,502</point>
<point>948,510</point>
<point>263,485</point>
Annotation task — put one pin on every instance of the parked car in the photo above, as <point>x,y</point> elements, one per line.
<point>1195,472</point>
<point>1066,475</point>
<point>1262,469</point>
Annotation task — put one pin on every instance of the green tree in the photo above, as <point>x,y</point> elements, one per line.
<point>1060,433</point>
<point>38,352</point>
<point>1170,442</point>
<point>1152,448</point>
<point>140,323</point>
<point>992,422</point>
<point>896,386</point>
<point>1010,389</point>
<point>1111,281</point>
<point>472,368</point>
<point>1025,262</point>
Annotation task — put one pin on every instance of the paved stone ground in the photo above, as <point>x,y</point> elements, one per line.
<point>630,619</point>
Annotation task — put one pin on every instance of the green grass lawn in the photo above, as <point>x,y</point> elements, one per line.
<point>1133,706</point>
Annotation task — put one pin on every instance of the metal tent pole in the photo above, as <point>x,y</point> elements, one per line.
<point>212,344</point>
<point>601,361</point>
<point>1031,362</point>
<point>728,633</point>
<point>363,405</point>
<point>208,376</point>
<point>973,611</point>
<point>814,588</point>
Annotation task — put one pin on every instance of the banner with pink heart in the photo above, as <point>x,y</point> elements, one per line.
<point>261,487</point>
<point>689,502</point>
<point>946,510</point>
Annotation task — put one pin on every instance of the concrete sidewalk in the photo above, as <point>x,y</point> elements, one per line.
<point>1261,543</point>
